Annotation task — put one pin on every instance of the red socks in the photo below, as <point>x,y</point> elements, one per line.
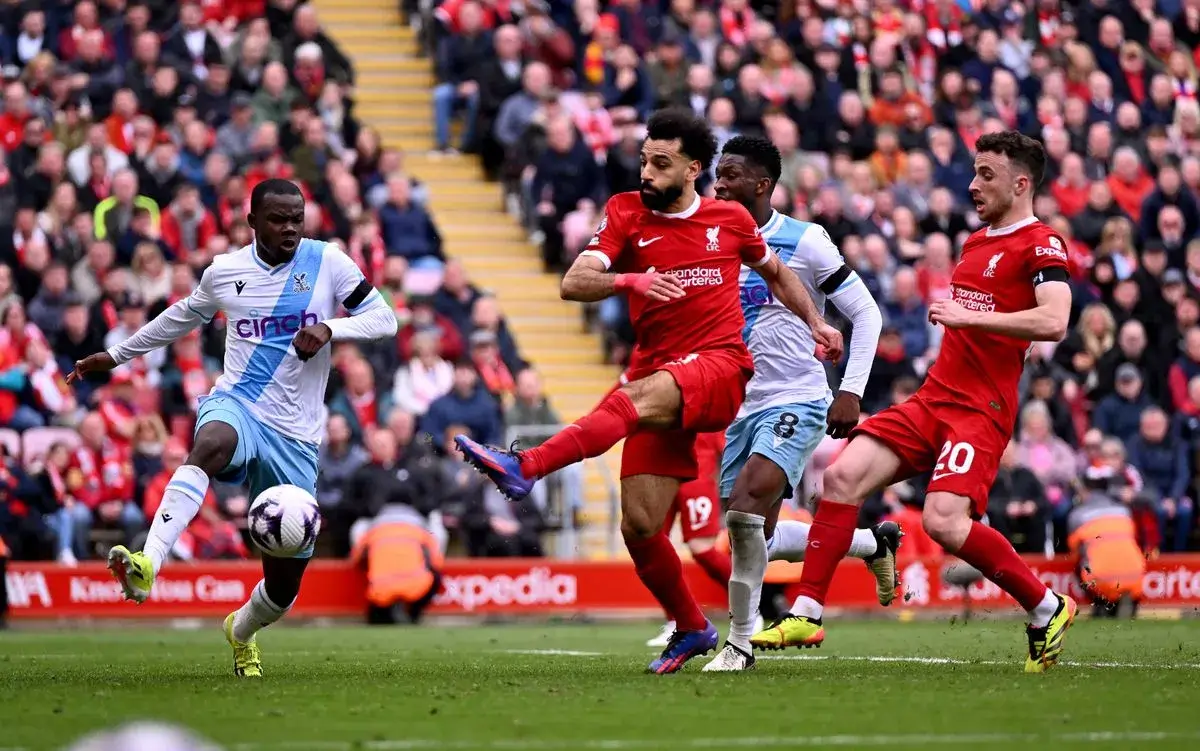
<point>591,435</point>
<point>987,550</point>
<point>718,565</point>
<point>828,542</point>
<point>659,568</point>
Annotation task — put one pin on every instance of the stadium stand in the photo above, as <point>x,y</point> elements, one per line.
<point>134,131</point>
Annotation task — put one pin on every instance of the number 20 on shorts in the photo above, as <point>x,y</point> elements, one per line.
<point>954,457</point>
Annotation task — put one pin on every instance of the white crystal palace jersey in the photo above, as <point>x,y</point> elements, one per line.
<point>265,307</point>
<point>785,368</point>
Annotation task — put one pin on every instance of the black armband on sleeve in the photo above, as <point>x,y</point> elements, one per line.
<point>1052,274</point>
<point>834,280</point>
<point>355,298</point>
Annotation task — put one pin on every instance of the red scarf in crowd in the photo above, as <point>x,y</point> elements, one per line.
<point>945,31</point>
<point>369,258</point>
<point>735,27</point>
<point>365,409</point>
<point>1048,23</point>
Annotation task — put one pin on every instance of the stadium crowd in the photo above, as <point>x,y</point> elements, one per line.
<point>876,107</point>
<point>133,134</point>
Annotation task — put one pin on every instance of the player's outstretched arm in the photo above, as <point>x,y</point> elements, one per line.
<point>850,296</point>
<point>167,327</point>
<point>1046,322</point>
<point>588,281</point>
<point>785,285</point>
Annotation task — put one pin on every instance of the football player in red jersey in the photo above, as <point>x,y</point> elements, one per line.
<point>1009,289</point>
<point>677,256</point>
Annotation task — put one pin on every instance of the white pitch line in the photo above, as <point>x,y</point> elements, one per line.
<point>631,744</point>
<point>951,661</point>
<point>552,652</point>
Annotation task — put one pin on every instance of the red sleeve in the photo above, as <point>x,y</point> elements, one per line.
<point>1177,385</point>
<point>752,248</point>
<point>612,236</point>
<point>1049,252</point>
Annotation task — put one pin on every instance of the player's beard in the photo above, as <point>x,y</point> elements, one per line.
<point>660,200</point>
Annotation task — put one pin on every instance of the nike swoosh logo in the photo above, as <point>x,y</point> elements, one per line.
<point>644,243</point>
<point>937,476</point>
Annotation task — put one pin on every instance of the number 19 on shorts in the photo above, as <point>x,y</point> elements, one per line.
<point>955,458</point>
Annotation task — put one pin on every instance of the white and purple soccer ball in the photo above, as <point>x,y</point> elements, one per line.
<point>284,521</point>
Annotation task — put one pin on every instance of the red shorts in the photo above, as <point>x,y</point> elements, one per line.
<point>698,502</point>
<point>961,446</point>
<point>713,385</point>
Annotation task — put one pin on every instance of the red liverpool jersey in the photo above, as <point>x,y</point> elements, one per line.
<point>997,272</point>
<point>704,247</point>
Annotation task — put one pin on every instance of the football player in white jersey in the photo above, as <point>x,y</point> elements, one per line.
<point>261,424</point>
<point>788,407</point>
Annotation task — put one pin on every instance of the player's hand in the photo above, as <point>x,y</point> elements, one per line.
<point>843,414</point>
<point>651,285</point>
<point>950,314</point>
<point>101,362</point>
<point>309,340</point>
<point>829,339</point>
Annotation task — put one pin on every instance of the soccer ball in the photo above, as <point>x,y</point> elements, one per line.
<point>284,520</point>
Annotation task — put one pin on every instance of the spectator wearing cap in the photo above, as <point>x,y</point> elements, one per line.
<point>1166,471</point>
<point>1119,413</point>
<point>214,97</point>
<point>114,214</point>
<point>494,374</point>
<point>467,403</point>
<point>1133,348</point>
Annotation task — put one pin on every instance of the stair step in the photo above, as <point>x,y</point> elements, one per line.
<point>535,340</point>
<point>480,232</point>
<point>403,128</point>
<point>359,35</point>
<point>441,189</point>
<point>379,13</point>
<point>544,357</point>
<point>416,105</point>
<point>396,80</point>
<point>482,266</point>
<point>578,370</point>
<point>373,97</point>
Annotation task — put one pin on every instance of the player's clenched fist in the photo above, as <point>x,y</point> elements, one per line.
<point>310,339</point>
<point>100,362</point>
<point>651,285</point>
<point>950,314</point>
<point>828,339</point>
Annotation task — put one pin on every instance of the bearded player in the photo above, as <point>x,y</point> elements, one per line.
<point>677,256</point>
<point>788,407</point>
<point>1009,289</point>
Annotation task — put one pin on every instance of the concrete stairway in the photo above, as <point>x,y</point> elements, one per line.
<point>394,95</point>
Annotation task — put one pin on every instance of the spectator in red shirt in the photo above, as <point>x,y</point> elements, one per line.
<point>187,225</point>
<point>1071,187</point>
<point>100,476</point>
<point>120,123</point>
<point>16,114</point>
<point>1129,183</point>
<point>87,19</point>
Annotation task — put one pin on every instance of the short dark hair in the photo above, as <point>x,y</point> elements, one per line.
<point>696,139</point>
<point>1021,150</point>
<point>757,151</point>
<point>272,187</point>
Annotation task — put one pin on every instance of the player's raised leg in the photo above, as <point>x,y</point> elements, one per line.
<point>865,466</point>
<point>215,446</point>
<point>947,519</point>
<point>614,418</point>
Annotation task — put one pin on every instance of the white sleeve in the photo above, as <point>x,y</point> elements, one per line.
<point>370,316</point>
<point>177,320</point>
<point>826,258</point>
<point>167,327</point>
<point>854,301</point>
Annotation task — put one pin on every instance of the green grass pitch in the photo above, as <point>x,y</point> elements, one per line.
<point>563,687</point>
